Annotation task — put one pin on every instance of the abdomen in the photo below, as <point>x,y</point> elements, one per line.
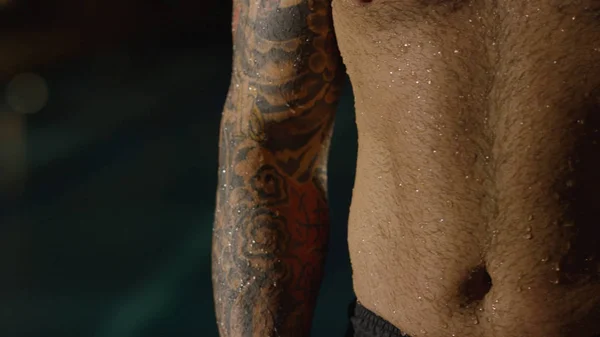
<point>478,132</point>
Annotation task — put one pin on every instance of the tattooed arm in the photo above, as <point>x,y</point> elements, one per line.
<point>272,223</point>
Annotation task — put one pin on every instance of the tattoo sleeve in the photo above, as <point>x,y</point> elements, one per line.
<point>271,223</point>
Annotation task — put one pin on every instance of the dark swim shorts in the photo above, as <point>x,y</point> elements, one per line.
<point>364,323</point>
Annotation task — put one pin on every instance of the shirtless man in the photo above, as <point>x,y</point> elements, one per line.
<point>475,203</point>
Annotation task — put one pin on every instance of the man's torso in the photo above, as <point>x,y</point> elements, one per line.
<point>478,123</point>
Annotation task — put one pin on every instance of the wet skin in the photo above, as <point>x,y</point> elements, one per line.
<point>474,210</point>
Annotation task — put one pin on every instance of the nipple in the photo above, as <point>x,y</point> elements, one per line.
<point>477,285</point>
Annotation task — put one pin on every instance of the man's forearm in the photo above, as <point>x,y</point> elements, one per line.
<point>271,226</point>
<point>268,255</point>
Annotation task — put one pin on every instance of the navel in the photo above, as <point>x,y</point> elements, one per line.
<point>450,5</point>
<point>476,286</point>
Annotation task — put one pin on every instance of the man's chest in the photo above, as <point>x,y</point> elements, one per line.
<point>488,32</point>
<point>448,54</point>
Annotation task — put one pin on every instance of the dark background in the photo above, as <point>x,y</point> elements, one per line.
<point>107,193</point>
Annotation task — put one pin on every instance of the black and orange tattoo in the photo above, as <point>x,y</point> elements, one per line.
<point>271,224</point>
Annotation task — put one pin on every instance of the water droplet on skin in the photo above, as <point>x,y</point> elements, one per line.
<point>475,320</point>
<point>423,332</point>
<point>580,121</point>
<point>545,259</point>
<point>530,217</point>
<point>527,236</point>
